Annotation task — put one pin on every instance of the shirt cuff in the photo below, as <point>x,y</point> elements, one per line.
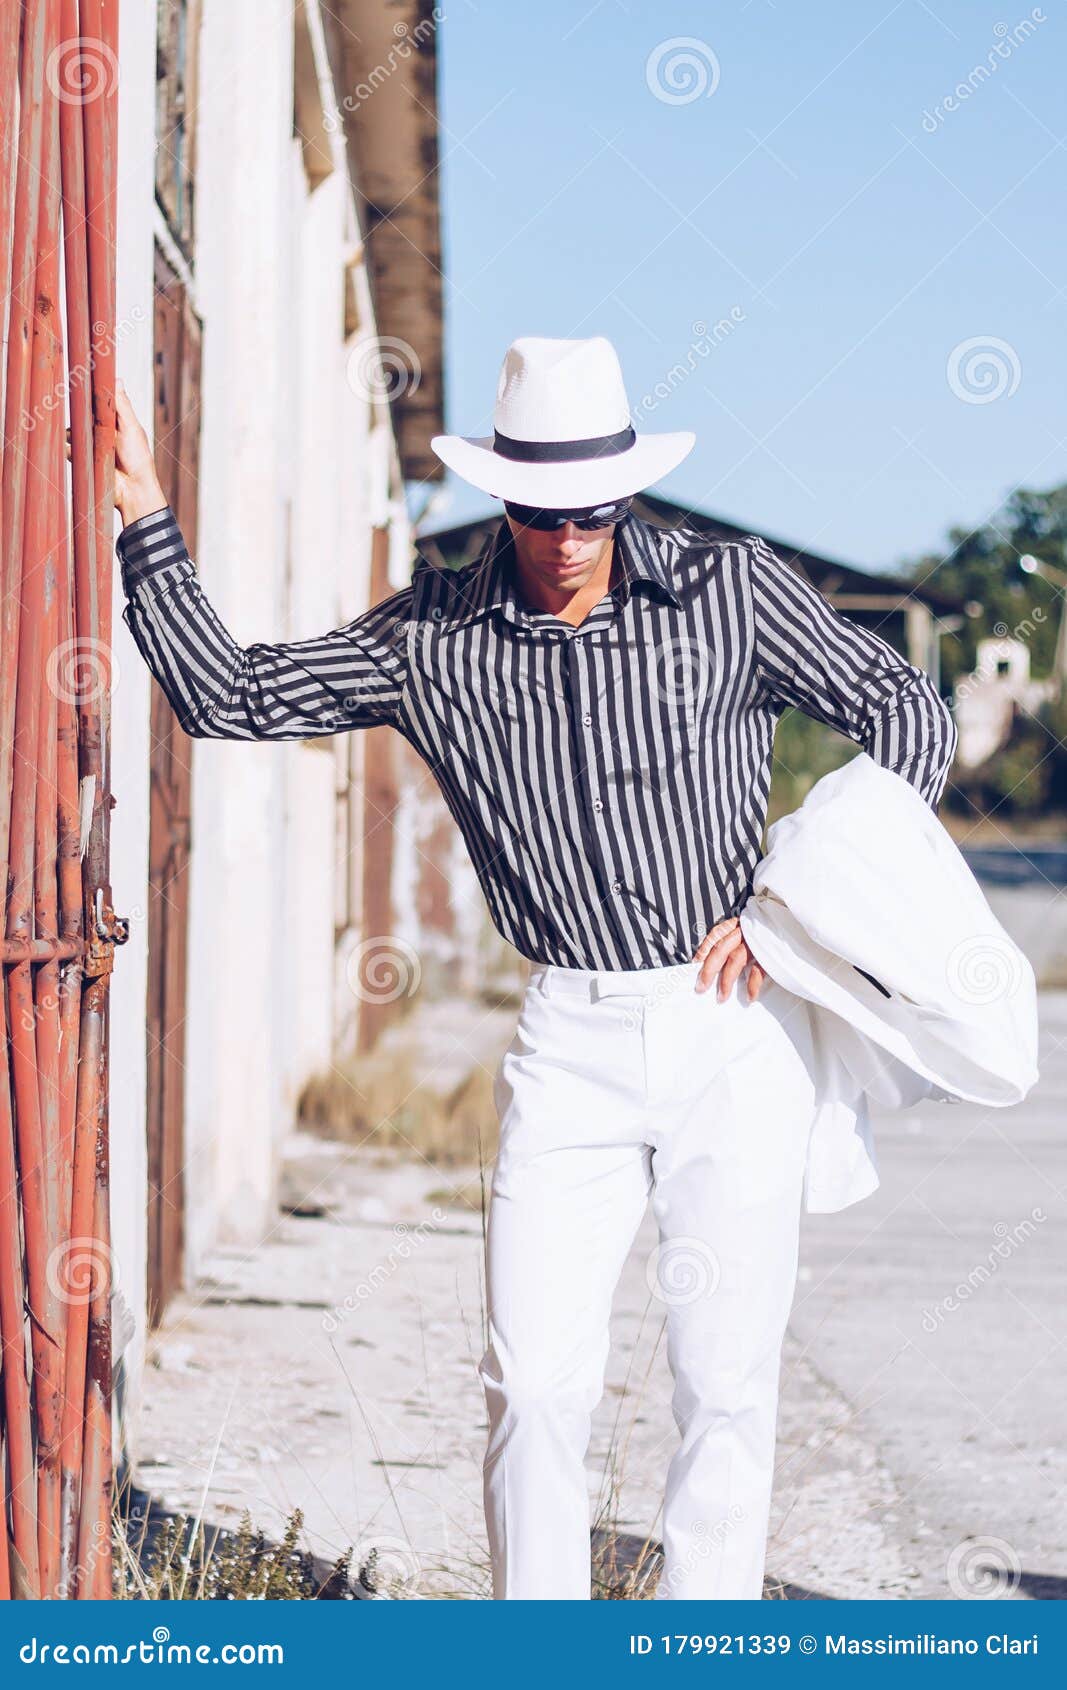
<point>148,545</point>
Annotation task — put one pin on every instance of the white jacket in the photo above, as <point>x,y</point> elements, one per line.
<point>863,877</point>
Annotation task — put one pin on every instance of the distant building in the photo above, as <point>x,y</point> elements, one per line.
<point>909,615</point>
<point>988,700</point>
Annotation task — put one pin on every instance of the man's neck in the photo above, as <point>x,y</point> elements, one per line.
<point>573,606</point>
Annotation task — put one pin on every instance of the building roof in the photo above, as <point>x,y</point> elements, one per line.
<point>461,543</point>
<point>385,54</point>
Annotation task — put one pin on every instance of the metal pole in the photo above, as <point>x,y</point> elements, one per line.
<point>88,670</point>
<point>20,298</point>
<point>99,20</point>
<point>39,1199</point>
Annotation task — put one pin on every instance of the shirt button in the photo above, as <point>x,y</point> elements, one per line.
<point>588,720</point>
<point>598,804</point>
<point>616,886</point>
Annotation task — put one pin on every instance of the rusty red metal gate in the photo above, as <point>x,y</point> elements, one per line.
<point>58,119</point>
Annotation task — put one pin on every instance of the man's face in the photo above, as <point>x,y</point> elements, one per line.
<point>564,553</point>
<point>561,557</point>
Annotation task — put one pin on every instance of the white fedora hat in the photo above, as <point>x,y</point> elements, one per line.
<point>562,433</point>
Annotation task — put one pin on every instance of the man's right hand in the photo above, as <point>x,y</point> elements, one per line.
<point>137,488</point>
<point>724,952</point>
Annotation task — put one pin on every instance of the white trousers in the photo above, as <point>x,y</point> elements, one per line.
<point>616,1085</point>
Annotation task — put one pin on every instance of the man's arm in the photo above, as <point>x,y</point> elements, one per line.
<point>352,677</point>
<point>811,656</point>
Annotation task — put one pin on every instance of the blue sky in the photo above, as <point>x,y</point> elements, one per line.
<point>864,242</point>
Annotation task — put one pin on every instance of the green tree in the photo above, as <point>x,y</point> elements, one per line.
<point>1028,775</point>
<point>982,568</point>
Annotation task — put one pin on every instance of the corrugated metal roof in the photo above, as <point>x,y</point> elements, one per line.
<point>462,541</point>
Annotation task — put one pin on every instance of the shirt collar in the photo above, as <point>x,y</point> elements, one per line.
<point>643,551</point>
<point>646,554</point>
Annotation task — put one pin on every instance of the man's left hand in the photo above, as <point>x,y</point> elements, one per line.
<point>723,952</point>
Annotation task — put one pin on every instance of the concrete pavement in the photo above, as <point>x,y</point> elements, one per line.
<point>938,1309</point>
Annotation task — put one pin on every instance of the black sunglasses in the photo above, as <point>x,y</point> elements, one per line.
<point>588,518</point>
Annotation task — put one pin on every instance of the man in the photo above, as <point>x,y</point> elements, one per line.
<point>597,698</point>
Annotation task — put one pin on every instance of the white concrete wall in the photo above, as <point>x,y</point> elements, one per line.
<point>319,561</point>
<point>236,969</point>
<point>286,505</point>
<point>291,478</point>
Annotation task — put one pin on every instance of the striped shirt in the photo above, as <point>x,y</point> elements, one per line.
<point>610,780</point>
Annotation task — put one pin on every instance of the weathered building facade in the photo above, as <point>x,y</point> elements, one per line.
<point>279,311</point>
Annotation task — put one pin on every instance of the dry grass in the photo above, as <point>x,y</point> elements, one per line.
<point>385,1101</point>
<point>180,1560</point>
<point>467,1195</point>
